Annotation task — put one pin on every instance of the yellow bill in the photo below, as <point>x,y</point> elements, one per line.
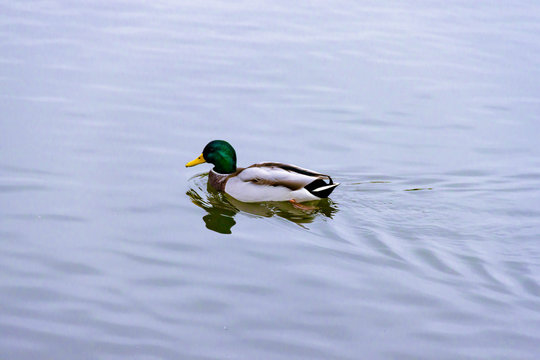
<point>197,161</point>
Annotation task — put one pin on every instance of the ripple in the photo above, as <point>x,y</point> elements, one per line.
<point>23,188</point>
<point>433,261</point>
<point>50,217</point>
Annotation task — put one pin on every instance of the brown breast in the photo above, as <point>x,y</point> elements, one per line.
<point>218,181</point>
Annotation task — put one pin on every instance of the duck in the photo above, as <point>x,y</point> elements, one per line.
<point>266,181</point>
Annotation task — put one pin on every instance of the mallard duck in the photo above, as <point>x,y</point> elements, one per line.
<point>268,181</point>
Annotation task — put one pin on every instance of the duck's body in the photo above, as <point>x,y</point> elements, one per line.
<point>273,182</point>
<point>267,181</point>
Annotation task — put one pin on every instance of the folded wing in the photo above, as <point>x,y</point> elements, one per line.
<point>277,174</point>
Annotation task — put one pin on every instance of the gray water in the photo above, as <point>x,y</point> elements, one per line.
<point>426,112</point>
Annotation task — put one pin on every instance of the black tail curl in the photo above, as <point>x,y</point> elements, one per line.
<point>320,188</point>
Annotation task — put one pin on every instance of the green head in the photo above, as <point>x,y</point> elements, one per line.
<point>221,154</point>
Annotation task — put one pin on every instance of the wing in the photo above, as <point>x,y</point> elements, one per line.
<point>277,174</point>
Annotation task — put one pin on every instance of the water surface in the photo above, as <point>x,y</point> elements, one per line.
<point>426,112</point>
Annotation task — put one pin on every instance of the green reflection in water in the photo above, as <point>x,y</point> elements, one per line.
<point>221,208</point>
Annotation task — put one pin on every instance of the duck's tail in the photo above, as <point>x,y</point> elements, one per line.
<point>320,188</point>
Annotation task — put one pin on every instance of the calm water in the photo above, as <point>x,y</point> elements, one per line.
<point>426,112</point>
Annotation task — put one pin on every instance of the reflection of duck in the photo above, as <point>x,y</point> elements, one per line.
<point>222,208</point>
<point>262,182</point>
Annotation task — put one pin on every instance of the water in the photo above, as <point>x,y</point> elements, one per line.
<point>426,112</point>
